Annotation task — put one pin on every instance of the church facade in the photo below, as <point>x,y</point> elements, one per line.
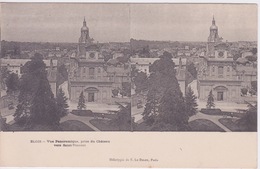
<point>88,73</point>
<point>219,71</point>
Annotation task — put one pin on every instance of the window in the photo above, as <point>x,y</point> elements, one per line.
<point>92,55</point>
<point>84,70</point>
<point>220,71</point>
<point>91,72</point>
<point>213,69</point>
<point>228,70</point>
<point>220,96</point>
<point>99,70</point>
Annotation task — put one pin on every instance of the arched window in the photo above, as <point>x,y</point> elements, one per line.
<point>91,72</point>
<point>220,71</point>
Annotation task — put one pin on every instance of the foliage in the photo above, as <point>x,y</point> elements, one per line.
<point>62,74</point>
<point>210,102</point>
<point>12,83</point>
<point>251,58</point>
<point>134,72</point>
<point>254,51</point>
<point>123,59</point>
<point>81,103</point>
<point>123,117</point>
<point>141,82</point>
<point>36,105</point>
<point>191,102</point>
<point>126,89</point>
<point>165,107</point>
<point>115,92</point>
<point>107,55</point>
<point>249,121</point>
<point>62,104</point>
<point>4,74</point>
<point>244,91</point>
<point>192,69</point>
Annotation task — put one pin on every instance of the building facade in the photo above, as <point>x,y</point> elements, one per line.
<point>219,71</point>
<point>90,74</point>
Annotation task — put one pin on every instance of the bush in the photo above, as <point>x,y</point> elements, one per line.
<point>82,113</point>
<point>244,91</point>
<point>211,111</point>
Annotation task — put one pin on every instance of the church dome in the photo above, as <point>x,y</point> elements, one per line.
<point>84,28</point>
<point>213,27</point>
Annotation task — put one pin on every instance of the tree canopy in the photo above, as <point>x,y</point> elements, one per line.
<point>36,105</point>
<point>210,102</point>
<point>191,102</point>
<point>81,103</point>
<point>165,107</point>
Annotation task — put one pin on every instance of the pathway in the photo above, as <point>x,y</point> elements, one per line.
<point>83,119</point>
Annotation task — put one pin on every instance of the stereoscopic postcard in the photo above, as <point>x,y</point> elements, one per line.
<point>128,85</point>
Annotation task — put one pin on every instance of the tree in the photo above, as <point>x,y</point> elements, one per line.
<point>244,91</point>
<point>254,51</point>
<point>62,74</point>
<point>141,82</point>
<point>191,102</point>
<point>115,92</point>
<point>36,105</point>
<point>251,58</point>
<point>12,83</point>
<point>4,74</point>
<point>134,72</point>
<point>17,50</point>
<point>126,89</point>
<point>81,103</point>
<point>165,106</point>
<point>210,102</point>
<point>123,117</point>
<point>62,104</point>
<point>249,121</point>
<point>192,69</point>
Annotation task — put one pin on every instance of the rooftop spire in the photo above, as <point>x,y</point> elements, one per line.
<point>84,22</point>
<point>213,21</point>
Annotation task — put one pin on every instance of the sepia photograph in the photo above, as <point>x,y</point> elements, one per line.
<point>194,67</point>
<point>65,72</point>
<point>128,67</point>
<point>147,84</point>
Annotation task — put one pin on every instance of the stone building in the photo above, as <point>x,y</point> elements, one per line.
<point>219,71</point>
<point>91,75</point>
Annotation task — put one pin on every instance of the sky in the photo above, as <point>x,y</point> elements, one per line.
<point>60,22</point>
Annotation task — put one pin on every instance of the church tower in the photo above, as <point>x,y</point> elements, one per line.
<point>84,38</point>
<point>213,39</point>
<point>213,36</point>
